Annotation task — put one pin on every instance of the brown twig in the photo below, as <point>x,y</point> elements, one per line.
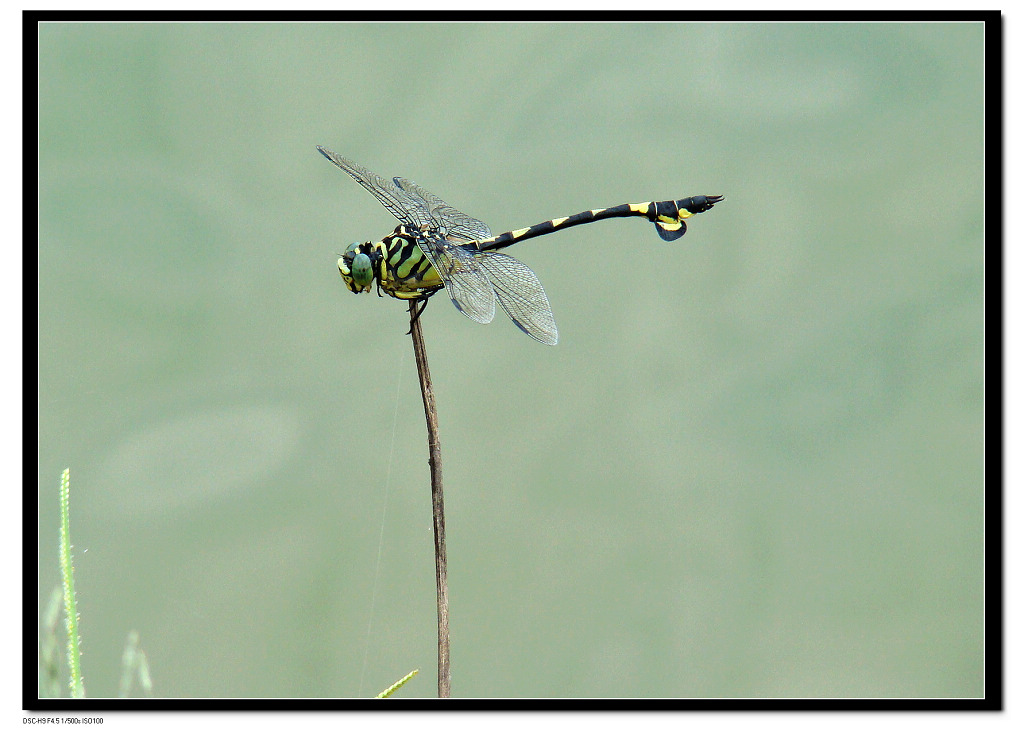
<point>444,680</point>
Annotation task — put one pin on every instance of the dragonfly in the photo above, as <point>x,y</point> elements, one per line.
<point>435,246</point>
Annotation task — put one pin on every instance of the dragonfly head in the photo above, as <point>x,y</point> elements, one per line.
<point>356,266</point>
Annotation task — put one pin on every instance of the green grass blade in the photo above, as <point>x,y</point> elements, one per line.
<point>134,666</point>
<point>395,686</point>
<point>49,647</point>
<point>67,574</point>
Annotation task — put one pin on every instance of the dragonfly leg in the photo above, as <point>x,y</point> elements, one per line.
<point>419,311</point>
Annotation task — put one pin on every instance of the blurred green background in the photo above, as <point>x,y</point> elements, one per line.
<point>753,466</point>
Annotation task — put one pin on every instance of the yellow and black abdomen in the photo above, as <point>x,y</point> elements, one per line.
<point>667,217</point>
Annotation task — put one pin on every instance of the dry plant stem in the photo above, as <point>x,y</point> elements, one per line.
<point>444,680</point>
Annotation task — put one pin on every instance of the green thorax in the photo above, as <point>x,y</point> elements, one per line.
<point>395,262</point>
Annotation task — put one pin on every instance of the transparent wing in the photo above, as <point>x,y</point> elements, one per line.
<point>409,209</point>
<point>521,296</point>
<point>449,220</point>
<point>439,229</point>
<point>463,277</point>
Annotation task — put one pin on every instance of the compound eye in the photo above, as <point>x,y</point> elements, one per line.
<point>362,270</point>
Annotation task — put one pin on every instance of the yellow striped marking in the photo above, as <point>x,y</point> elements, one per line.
<point>404,268</point>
